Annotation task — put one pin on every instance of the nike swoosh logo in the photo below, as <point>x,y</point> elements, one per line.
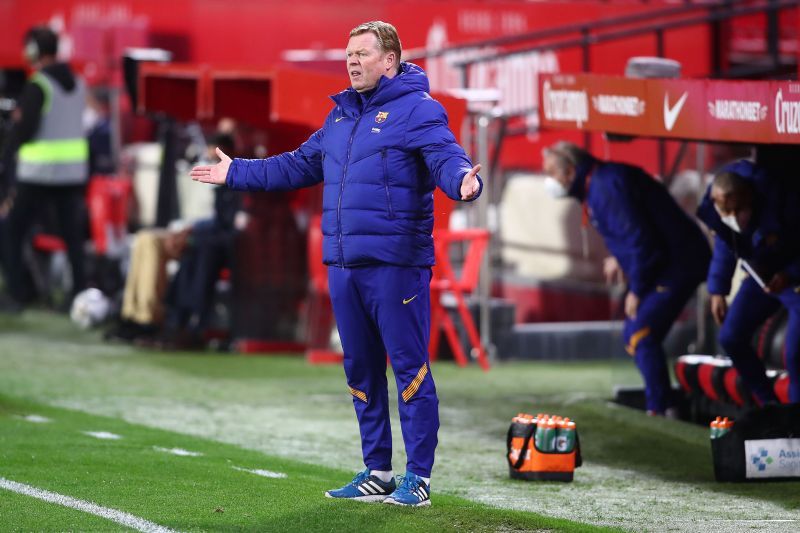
<point>409,300</point>
<point>338,119</point>
<point>671,114</point>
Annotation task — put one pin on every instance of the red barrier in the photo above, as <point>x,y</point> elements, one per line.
<point>703,110</point>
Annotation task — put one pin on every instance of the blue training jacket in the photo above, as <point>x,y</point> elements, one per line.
<point>642,225</point>
<point>771,241</point>
<point>380,158</point>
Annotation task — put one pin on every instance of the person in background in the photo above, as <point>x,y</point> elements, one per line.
<point>98,127</point>
<point>209,250</point>
<point>163,313</point>
<point>52,162</point>
<point>755,219</point>
<point>662,252</point>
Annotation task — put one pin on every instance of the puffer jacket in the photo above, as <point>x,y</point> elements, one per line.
<point>642,225</point>
<point>770,243</point>
<point>380,158</point>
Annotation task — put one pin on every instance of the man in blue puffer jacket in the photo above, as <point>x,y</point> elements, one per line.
<point>662,252</point>
<point>755,217</point>
<point>380,154</point>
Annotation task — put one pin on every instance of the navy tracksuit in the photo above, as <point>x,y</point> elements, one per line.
<point>769,244</point>
<point>380,155</point>
<point>663,253</point>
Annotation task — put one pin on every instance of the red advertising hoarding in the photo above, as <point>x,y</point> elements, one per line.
<point>704,110</point>
<point>737,111</point>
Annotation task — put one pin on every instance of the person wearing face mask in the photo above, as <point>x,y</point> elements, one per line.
<point>659,248</point>
<point>383,149</point>
<point>755,218</point>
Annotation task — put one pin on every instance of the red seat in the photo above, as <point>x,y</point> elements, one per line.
<point>782,387</point>
<point>43,242</point>
<point>445,280</point>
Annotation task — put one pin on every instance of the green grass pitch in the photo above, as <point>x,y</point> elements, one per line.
<point>282,415</point>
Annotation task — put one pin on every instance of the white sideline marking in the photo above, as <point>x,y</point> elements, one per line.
<point>265,473</point>
<point>36,419</point>
<point>177,451</point>
<point>129,520</point>
<point>104,435</point>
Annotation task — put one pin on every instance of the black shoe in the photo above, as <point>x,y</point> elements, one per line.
<point>129,331</point>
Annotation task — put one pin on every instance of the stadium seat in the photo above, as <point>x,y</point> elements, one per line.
<point>782,387</point>
<point>445,280</point>
<point>710,377</point>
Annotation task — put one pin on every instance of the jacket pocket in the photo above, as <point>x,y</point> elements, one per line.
<point>385,162</point>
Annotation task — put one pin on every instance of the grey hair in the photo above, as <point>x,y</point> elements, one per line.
<point>567,154</point>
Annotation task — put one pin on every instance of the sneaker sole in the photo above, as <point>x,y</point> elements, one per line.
<point>375,498</point>
<point>392,501</point>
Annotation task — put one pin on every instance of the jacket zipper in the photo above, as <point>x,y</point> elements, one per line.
<point>386,182</point>
<point>341,189</point>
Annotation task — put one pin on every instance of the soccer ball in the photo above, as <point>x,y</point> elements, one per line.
<point>90,308</point>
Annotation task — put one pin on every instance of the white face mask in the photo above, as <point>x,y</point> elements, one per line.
<point>730,220</point>
<point>732,223</point>
<point>554,188</point>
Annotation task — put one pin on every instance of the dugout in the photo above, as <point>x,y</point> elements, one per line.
<point>714,119</point>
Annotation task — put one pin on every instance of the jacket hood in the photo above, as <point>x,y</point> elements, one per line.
<point>744,168</point>
<point>578,187</point>
<point>750,173</point>
<point>410,78</point>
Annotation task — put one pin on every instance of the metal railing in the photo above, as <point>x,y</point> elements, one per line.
<point>635,25</point>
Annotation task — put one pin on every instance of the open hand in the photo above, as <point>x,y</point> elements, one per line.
<point>215,174</point>
<point>719,308</point>
<point>470,184</point>
<point>631,305</point>
<point>612,271</point>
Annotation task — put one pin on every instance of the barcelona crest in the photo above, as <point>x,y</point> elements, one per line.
<point>381,116</point>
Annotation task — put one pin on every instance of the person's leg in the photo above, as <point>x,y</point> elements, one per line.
<point>144,286</point>
<point>399,300</point>
<point>18,224</point>
<point>364,367</point>
<point>645,334</point>
<point>750,308</point>
<point>70,205</point>
<point>207,256</point>
<point>791,300</point>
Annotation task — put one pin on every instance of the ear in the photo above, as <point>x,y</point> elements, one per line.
<point>390,61</point>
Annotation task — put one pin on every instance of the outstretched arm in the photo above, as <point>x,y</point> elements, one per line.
<point>286,171</point>
<point>445,159</point>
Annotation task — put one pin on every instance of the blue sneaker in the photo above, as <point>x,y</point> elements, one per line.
<point>365,488</point>
<point>412,491</point>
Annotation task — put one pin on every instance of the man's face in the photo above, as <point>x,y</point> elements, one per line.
<point>736,205</point>
<point>366,63</point>
<point>552,168</point>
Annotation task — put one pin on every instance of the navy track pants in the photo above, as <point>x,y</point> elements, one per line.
<point>645,334</point>
<point>751,307</point>
<point>380,310</point>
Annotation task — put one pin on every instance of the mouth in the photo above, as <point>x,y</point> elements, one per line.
<point>355,74</point>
